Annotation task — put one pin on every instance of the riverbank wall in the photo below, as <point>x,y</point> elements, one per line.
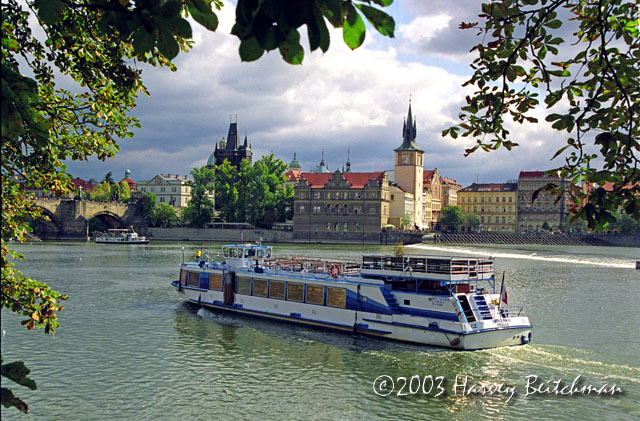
<point>279,236</point>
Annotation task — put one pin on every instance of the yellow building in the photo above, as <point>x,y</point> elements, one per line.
<point>494,204</point>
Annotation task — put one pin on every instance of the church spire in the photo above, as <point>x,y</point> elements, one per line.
<point>348,161</point>
<point>409,132</point>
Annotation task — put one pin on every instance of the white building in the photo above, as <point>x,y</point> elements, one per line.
<point>171,189</point>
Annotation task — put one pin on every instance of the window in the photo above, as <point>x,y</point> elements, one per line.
<point>510,199</point>
<point>337,227</point>
<point>215,282</point>
<point>316,226</point>
<point>503,199</point>
<point>336,297</point>
<point>301,195</point>
<point>392,197</point>
<point>329,195</point>
<point>243,285</point>
<point>301,209</point>
<point>482,219</point>
<point>357,226</point>
<point>260,287</point>
<point>357,210</point>
<point>295,292</point>
<point>144,189</point>
<point>328,226</point>
<point>316,195</point>
<point>161,189</point>
<point>315,294</point>
<point>345,227</point>
<point>173,189</point>
<point>317,209</point>
<point>475,199</point>
<point>276,289</point>
<point>183,276</point>
<point>194,279</point>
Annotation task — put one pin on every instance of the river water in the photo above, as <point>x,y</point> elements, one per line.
<point>128,348</point>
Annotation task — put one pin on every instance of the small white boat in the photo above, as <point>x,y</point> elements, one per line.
<point>121,236</point>
<point>441,301</point>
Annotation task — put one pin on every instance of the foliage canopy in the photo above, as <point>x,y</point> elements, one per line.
<point>590,90</point>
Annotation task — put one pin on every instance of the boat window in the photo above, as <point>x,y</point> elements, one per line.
<point>276,289</point>
<point>295,292</point>
<point>243,285</point>
<point>194,279</point>
<point>225,251</point>
<point>248,253</point>
<point>183,276</point>
<point>269,252</point>
<point>260,287</point>
<point>260,253</point>
<point>315,294</point>
<point>336,297</point>
<point>234,252</point>
<point>215,282</point>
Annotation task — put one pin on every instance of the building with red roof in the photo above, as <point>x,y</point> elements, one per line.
<point>340,205</point>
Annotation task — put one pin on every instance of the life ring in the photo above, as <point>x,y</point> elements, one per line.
<point>335,271</point>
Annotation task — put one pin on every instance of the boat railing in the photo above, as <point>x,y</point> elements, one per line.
<point>469,268</point>
<point>509,311</point>
<point>312,266</point>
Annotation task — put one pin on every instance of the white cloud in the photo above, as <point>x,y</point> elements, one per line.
<point>340,100</point>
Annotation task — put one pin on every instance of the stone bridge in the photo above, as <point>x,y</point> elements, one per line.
<point>69,219</point>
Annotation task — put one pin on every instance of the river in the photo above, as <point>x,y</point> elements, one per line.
<point>128,348</point>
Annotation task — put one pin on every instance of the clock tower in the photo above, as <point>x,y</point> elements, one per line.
<point>409,166</point>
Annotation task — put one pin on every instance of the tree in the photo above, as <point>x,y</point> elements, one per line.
<point>267,200</point>
<point>225,190</point>
<point>102,193</point>
<point>546,226</point>
<point>165,215</point>
<point>472,221</point>
<point>406,220</point>
<point>124,191</point>
<point>96,45</point>
<point>451,218</point>
<point>108,178</point>
<point>149,204</point>
<point>625,224</point>
<point>200,210</point>
<point>591,91</point>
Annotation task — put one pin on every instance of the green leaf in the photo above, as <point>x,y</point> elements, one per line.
<point>383,3</point>
<point>177,25</point>
<point>208,20</point>
<point>143,41</point>
<point>250,49</point>
<point>379,19</point>
<point>554,24</point>
<point>167,45</point>
<point>50,11</point>
<point>353,29</point>
<point>291,50</point>
<point>18,372</point>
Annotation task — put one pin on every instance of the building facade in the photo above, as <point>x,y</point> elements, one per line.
<point>171,189</point>
<point>408,173</point>
<point>450,189</point>
<point>495,205</point>
<point>401,208</point>
<point>231,149</point>
<point>545,209</point>
<point>340,205</point>
<point>431,183</point>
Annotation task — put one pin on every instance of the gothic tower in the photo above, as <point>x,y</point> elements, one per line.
<point>409,165</point>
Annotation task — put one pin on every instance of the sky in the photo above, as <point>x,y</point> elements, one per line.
<point>334,102</point>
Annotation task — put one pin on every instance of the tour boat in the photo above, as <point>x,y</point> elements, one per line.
<point>440,301</point>
<point>121,236</point>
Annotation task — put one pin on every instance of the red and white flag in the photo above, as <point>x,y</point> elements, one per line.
<point>503,297</point>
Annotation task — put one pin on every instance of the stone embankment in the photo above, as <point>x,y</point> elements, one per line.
<point>542,239</point>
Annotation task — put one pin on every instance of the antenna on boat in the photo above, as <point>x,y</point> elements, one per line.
<point>183,255</point>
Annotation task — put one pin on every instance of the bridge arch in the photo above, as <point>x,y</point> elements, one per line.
<point>103,220</point>
<point>42,227</point>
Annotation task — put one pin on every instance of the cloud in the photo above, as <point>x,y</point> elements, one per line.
<point>338,101</point>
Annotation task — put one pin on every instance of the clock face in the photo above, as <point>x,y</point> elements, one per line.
<point>405,159</point>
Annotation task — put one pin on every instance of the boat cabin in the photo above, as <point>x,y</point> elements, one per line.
<point>245,255</point>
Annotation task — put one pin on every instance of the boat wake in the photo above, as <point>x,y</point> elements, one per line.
<point>617,263</point>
